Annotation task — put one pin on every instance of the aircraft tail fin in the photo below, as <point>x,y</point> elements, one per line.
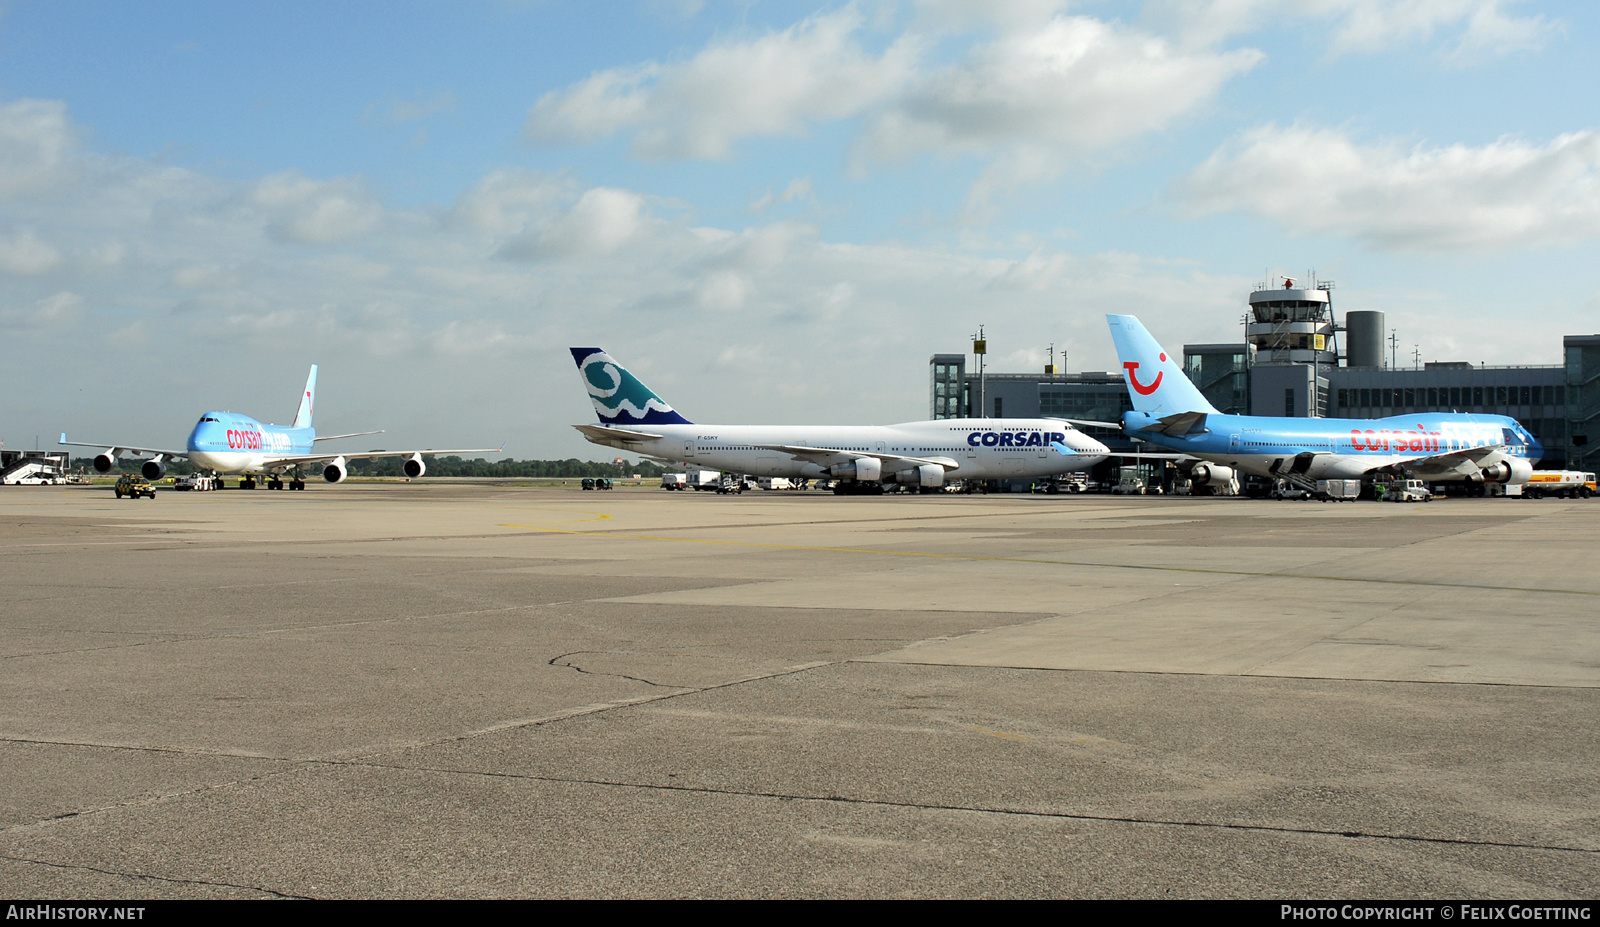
<point>1156,382</point>
<point>308,399</point>
<point>618,396</point>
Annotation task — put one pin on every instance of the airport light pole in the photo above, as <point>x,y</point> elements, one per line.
<point>980,347</point>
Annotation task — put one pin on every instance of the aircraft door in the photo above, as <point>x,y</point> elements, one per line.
<point>688,450</point>
<point>1233,442</point>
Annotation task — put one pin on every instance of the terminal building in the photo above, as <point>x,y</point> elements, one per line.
<point>1297,360</point>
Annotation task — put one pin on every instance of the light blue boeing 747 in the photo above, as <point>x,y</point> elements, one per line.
<point>1170,412</point>
<point>227,442</point>
<point>859,458</point>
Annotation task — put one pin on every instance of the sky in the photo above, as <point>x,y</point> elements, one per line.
<point>770,212</point>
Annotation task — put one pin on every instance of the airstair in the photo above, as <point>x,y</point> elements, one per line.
<point>1293,471</point>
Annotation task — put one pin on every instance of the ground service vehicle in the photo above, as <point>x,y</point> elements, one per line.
<point>671,481</point>
<point>134,486</point>
<point>1408,491</point>
<point>708,480</point>
<point>1566,484</point>
<point>1338,490</point>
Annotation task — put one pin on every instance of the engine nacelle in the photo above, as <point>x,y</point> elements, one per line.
<point>105,461</point>
<point>865,469</point>
<point>930,476</point>
<point>1510,470</point>
<point>153,470</point>
<point>414,467</point>
<point>1210,474</point>
<point>335,472</point>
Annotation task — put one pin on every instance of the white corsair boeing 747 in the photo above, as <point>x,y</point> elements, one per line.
<point>862,458</point>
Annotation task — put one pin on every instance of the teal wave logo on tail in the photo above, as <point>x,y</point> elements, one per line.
<point>618,396</point>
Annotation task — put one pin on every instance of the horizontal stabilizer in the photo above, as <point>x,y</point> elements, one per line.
<point>1182,423</point>
<point>605,433</point>
<point>1114,426</point>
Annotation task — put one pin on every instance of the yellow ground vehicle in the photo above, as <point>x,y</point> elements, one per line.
<point>134,486</point>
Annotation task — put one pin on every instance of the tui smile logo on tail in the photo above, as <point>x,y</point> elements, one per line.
<point>1133,377</point>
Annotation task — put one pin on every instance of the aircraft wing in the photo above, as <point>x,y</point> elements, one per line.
<point>353,434</point>
<point>283,459</point>
<point>1142,456</point>
<point>827,456</point>
<point>1472,455</point>
<point>117,449</point>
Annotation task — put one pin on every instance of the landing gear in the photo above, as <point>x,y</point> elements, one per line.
<point>246,482</point>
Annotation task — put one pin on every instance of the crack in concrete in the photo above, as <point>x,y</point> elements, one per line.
<point>553,661</point>
<point>1007,812</point>
<point>148,877</point>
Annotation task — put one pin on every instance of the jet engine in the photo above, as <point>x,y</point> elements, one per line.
<point>152,470</point>
<point>865,469</point>
<point>334,472</point>
<point>1510,470</point>
<point>930,475</point>
<point>106,460</point>
<point>414,467</point>
<point>1210,474</point>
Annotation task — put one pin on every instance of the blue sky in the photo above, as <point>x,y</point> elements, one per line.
<point>772,211</point>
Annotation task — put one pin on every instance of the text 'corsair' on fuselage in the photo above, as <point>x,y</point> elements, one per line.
<point>919,454</point>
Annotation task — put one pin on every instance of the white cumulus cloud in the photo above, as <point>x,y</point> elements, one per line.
<point>315,211</point>
<point>25,254</point>
<point>1035,89</point>
<point>773,85</point>
<point>1310,180</point>
<point>1467,30</point>
<point>36,141</point>
<point>598,224</point>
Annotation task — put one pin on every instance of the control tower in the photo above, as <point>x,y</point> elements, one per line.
<point>1292,330</point>
<point>1290,325</point>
